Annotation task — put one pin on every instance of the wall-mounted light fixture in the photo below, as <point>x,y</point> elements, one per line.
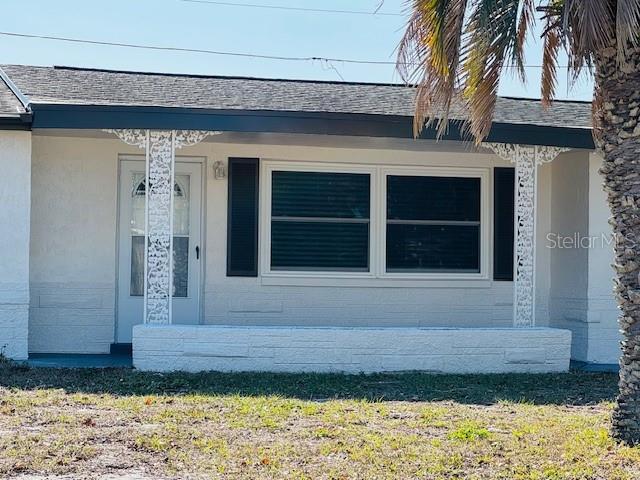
<point>219,171</point>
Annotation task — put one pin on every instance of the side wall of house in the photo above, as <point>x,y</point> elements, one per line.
<point>580,245</point>
<point>602,314</point>
<point>15,202</point>
<point>74,254</point>
<point>569,257</point>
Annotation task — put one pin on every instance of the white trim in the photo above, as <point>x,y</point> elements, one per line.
<point>26,103</point>
<point>133,157</point>
<point>377,275</point>
<point>266,169</point>
<point>535,250</point>
<point>203,161</point>
<point>371,282</point>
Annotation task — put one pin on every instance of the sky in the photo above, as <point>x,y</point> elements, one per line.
<point>253,30</point>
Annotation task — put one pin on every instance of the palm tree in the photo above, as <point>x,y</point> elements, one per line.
<point>456,51</point>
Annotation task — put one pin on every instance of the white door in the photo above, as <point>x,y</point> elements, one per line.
<point>187,250</point>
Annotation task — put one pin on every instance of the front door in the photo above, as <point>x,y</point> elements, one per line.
<point>187,250</point>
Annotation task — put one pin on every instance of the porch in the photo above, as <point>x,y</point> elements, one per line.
<point>80,360</point>
<point>160,345</point>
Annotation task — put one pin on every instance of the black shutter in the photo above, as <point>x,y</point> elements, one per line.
<point>503,212</point>
<point>242,218</point>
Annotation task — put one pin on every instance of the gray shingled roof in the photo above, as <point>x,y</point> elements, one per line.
<point>101,87</point>
<point>9,103</point>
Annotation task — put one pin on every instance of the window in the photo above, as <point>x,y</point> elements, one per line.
<point>320,221</point>
<point>433,224</point>
<point>373,225</point>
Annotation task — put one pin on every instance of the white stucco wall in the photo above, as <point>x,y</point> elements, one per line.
<point>15,202</point>
<point>73,252</point>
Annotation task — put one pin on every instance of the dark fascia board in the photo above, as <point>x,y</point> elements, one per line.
<point>16,122</point>
<point>48,116</point>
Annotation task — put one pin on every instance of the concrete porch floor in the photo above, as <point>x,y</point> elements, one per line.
<point>594,367</point>
<point>65,360</point>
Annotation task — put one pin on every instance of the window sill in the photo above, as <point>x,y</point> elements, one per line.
<point>307,280</point>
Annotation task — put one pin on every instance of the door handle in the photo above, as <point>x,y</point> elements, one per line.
<point>197,252</point>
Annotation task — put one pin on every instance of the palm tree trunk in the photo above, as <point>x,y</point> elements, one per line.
<point>619,141</point>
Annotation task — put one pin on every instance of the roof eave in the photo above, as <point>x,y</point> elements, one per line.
<point>16,122</point>
<point>73,116</point>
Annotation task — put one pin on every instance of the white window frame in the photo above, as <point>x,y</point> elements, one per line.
<point>268,167</point>
<point>377,274</point>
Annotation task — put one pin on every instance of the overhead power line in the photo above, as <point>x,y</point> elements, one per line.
<point>297,9</point>
<point>193,50</point>
<point>326,60</point>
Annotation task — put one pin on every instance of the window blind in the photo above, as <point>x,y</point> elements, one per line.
<point>433,224</point>
<point>320,221</point>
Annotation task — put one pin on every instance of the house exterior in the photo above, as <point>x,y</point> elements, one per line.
<point>309,230</point>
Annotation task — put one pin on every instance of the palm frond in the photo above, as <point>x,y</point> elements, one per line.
<point>592,22</point>
<point>458,49</point>
<point>429,56</point>
<point>492,39</point>
<point>525,24</point>
<point>627,27</point>
<point>549,80</point>
<point>585,27</point>
<point>455,50</point>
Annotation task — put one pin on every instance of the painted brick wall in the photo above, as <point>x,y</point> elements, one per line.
<point>604,332</point>
<point>71,318</point>
<point>247,302</point>
<point>73,251</point>
<point>333,302</point>
<point>73,244</point>
<point>354,350</point>
<point>13,331</point>
<point>15,214</point>
<point>603,336</point>
<point>581,275</point>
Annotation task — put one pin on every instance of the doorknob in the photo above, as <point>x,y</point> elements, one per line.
<point>197,252</point>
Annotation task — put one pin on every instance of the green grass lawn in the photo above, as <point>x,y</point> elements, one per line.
<point>88,423</point>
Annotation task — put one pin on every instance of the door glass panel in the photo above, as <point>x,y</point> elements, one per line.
<point>181,250</point>
<point>137,266</point>
<point>180,266</point>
